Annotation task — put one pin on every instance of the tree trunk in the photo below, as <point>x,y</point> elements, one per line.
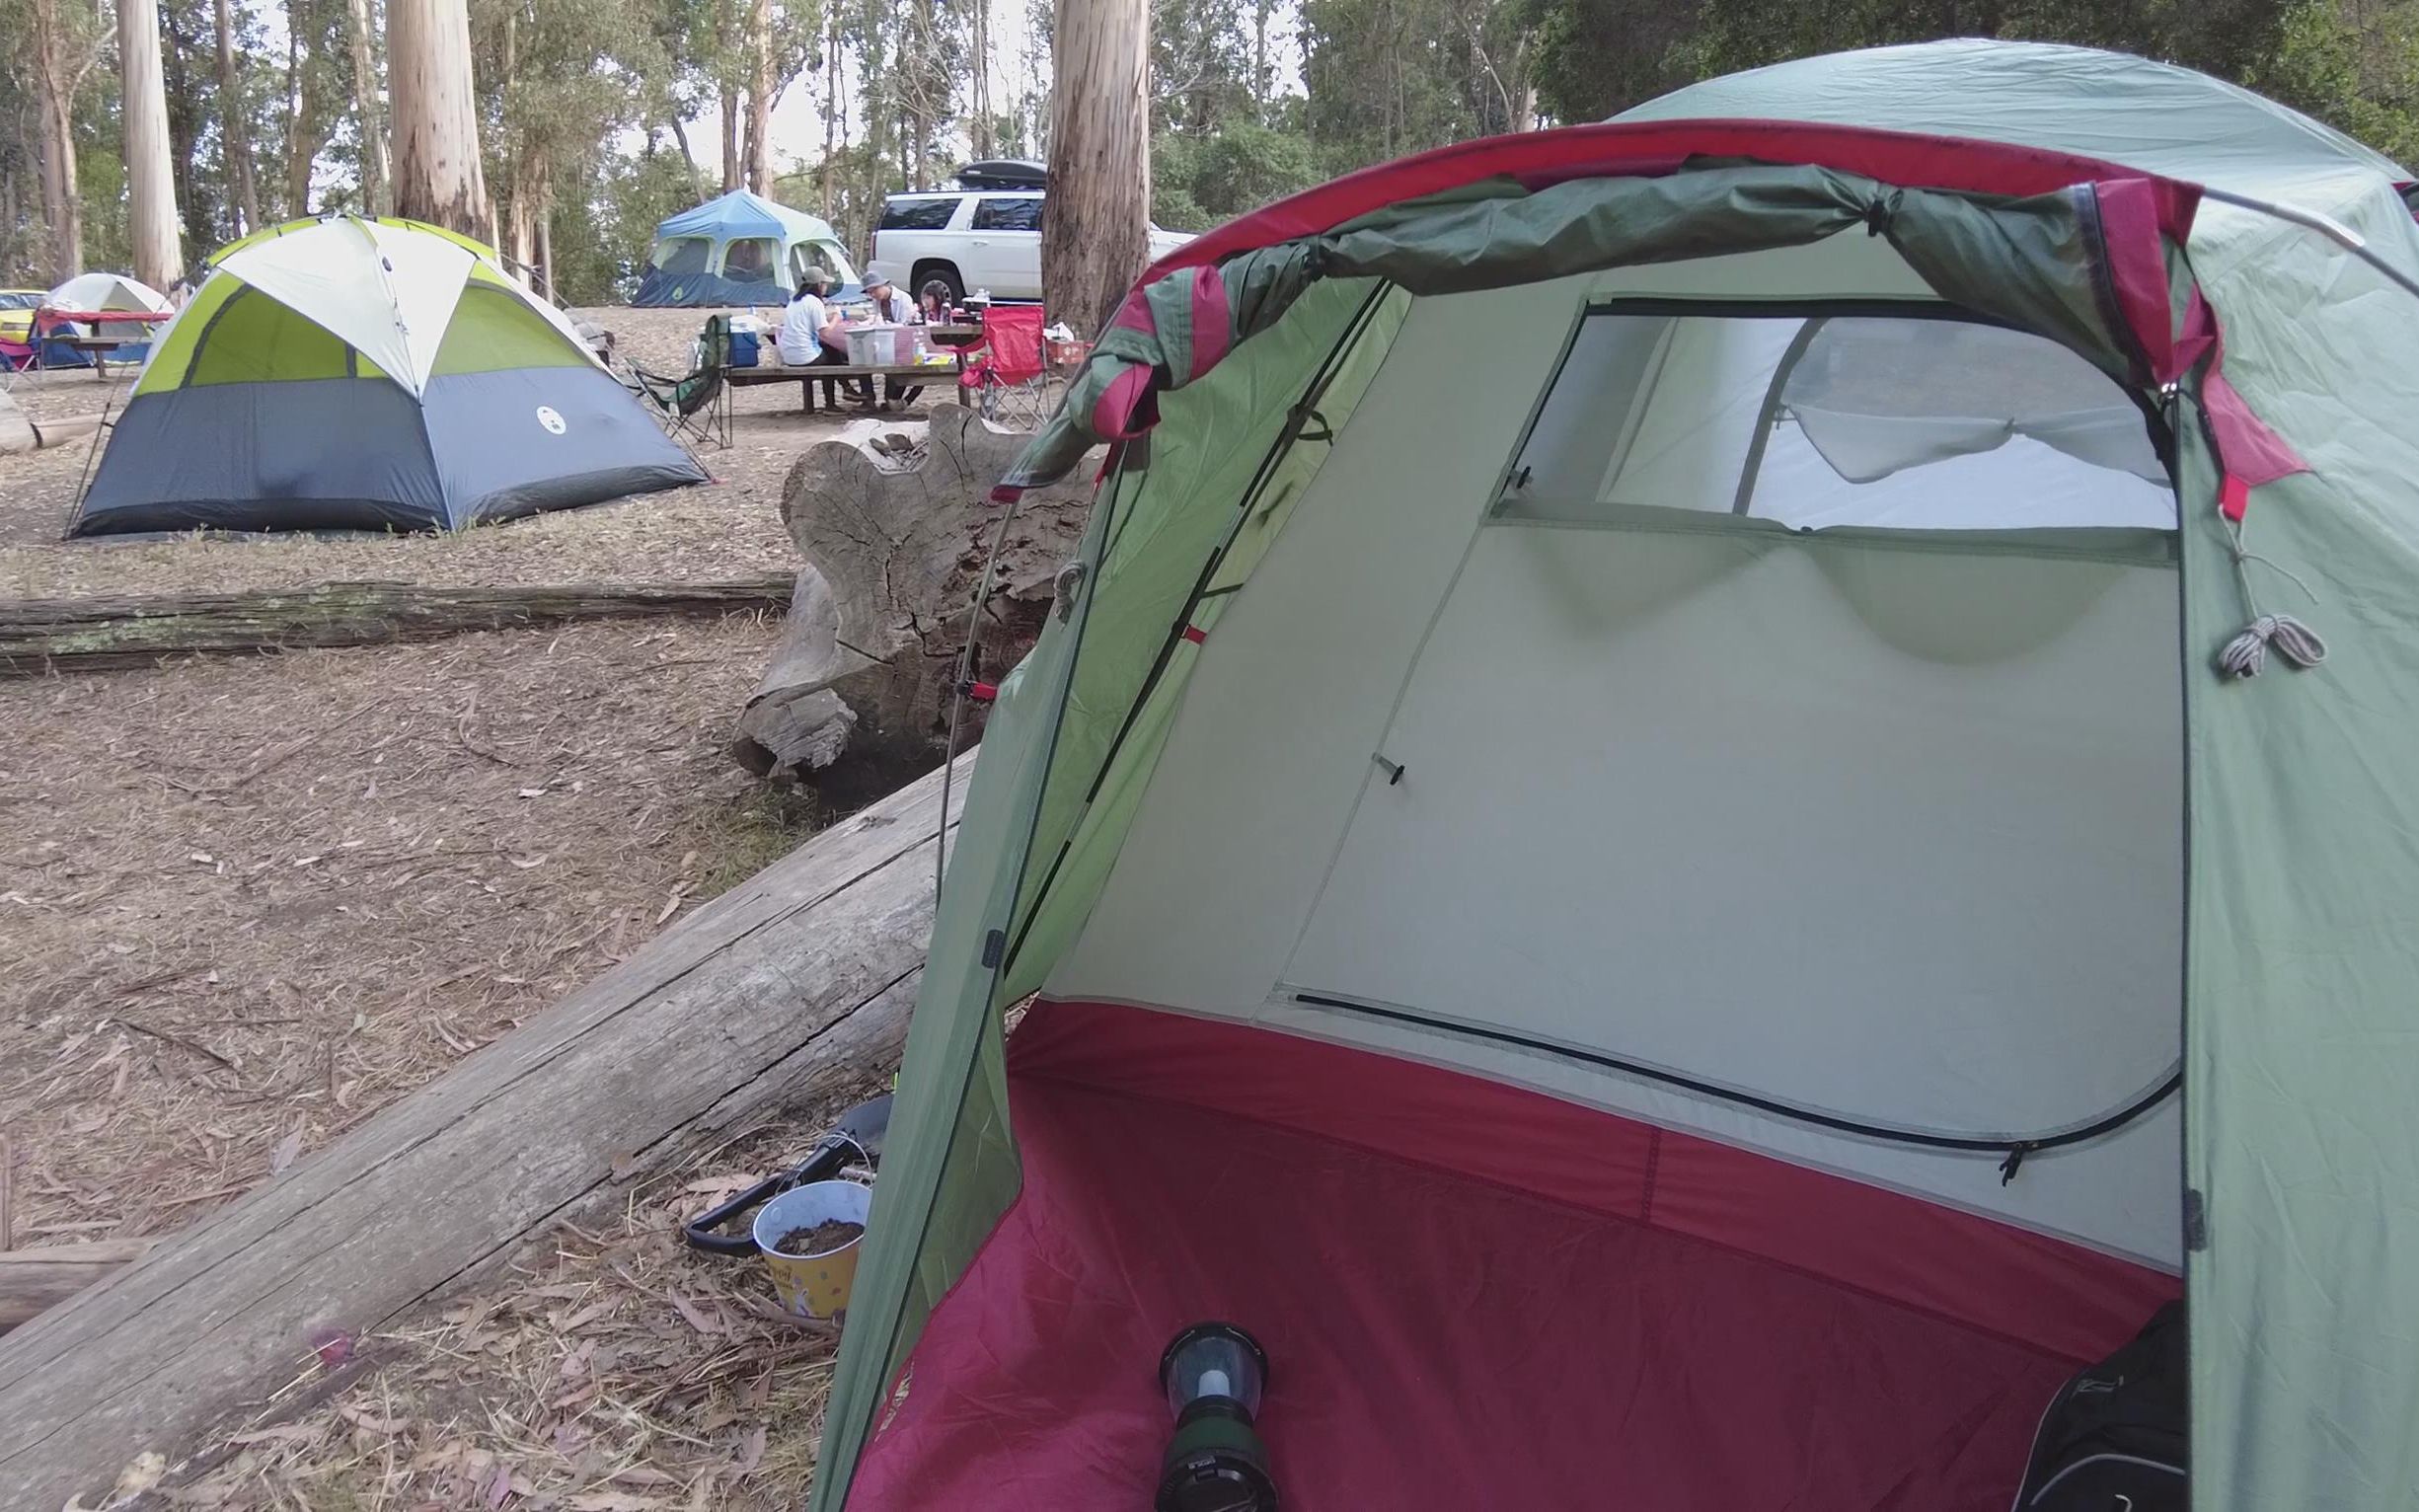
<point>833,108</point>
<point>62,204</point>
<point>1262,90</point>
<point>787,995</point>
<point>293,110</point>
<point>730,138</point>
<point>986,134</point>
<point>760,101</point>
<point>368,118</point>
<point>235,131</point>
<point>438,177</point>
<point>42,636</point>
<point>1096,238</point>
<point>514,234</point>
<point>542,212</point>
<point>151,192</point>
<point>893,555</point>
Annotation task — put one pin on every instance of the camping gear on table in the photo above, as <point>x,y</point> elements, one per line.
<point>746,345</point>
<point>881,346</point>
<point>813,1283</point>
<point>342,374</point>
<point>740,249</point>
<point>1640,803</point>
<point>1213,1375</point>
<point>2114,1435</point>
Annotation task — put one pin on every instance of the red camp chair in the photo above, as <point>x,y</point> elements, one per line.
<point>1006,377</point>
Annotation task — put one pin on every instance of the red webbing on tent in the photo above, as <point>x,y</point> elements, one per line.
<point>1537,159</point>
<point>1472,1296</point>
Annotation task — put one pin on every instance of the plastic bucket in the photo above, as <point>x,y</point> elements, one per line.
<point>814,1285</point>
<point>876,345</point>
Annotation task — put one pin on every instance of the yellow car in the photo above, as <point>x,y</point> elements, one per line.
<point>16,308</point>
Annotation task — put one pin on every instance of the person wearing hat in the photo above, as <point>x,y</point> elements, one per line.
<point>892,306</point>
<point>889,305</point>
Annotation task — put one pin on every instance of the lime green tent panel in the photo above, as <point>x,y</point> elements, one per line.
<point>495,330</point>
<point>253,338</point>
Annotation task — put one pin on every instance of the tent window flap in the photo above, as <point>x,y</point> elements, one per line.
<point>1916,419</point>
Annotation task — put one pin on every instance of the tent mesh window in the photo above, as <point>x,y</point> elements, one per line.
<point>750,260</point>
<point>681,254</point>
<point>1816,418</point>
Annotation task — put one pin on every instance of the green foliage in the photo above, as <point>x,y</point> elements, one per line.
<point>1197,182</point>
<point>601,240</point>
<point>2353,65</point>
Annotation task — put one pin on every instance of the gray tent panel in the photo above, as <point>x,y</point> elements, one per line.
<point>321,453</point>
<point>524,439</point>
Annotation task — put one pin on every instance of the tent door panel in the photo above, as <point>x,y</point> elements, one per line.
<point>1890,834</point>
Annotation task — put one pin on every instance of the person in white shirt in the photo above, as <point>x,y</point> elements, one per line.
<point>812,335</point>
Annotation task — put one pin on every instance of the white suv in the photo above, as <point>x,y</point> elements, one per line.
<point>971,239</point>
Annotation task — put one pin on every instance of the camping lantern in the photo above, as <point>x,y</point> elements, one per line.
<point>1214,1374</point>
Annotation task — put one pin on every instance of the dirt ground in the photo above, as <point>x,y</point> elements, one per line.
<point>249,901</point>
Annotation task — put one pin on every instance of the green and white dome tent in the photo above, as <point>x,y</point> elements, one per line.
<point>1640,843</point>
<point>347,373</point>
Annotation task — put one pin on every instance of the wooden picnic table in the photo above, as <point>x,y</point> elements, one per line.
<point>906,373</point>
<point>52,323</point>
<point>97,347</point>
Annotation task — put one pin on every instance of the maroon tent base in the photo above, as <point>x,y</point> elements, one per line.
<point>1617,1317</point>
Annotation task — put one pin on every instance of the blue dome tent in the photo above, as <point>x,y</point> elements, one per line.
<point>739,249</point>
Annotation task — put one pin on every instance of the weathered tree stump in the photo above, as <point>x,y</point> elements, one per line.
<point>895,547</point>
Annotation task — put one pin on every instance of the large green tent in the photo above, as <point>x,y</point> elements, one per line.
<point>1643,844</point>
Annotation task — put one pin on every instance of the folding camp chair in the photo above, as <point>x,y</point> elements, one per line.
<point>1006,377</point>
<point>697,404</point>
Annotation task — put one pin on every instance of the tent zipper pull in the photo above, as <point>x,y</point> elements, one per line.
<point>1393,769</point>
<point>2014,1162</point>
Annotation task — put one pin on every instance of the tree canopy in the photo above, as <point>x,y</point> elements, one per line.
<point>598,117</point>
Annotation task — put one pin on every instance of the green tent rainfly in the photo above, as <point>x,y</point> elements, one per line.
<point>1643,735</point>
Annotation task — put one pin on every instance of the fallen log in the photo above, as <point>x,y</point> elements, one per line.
<point>83,635</point>
<point>895,545</point>
<point>32,1280</point>
<point>792,989</point>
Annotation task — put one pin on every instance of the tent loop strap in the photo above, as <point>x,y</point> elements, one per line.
<point>1880,212</point>
<point>2246,655</point>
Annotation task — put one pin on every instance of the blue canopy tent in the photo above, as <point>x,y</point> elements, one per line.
<point>739,249</point>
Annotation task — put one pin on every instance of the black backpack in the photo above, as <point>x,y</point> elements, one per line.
<point>2113,1437</point>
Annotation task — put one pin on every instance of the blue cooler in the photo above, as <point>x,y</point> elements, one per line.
<point>743,348</point>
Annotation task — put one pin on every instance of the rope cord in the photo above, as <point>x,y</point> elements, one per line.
<point>2246,655</point>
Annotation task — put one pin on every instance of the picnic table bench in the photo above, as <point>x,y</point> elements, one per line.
<point>907,373</point>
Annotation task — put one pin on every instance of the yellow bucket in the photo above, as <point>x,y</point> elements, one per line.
<point>813,1285</point>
